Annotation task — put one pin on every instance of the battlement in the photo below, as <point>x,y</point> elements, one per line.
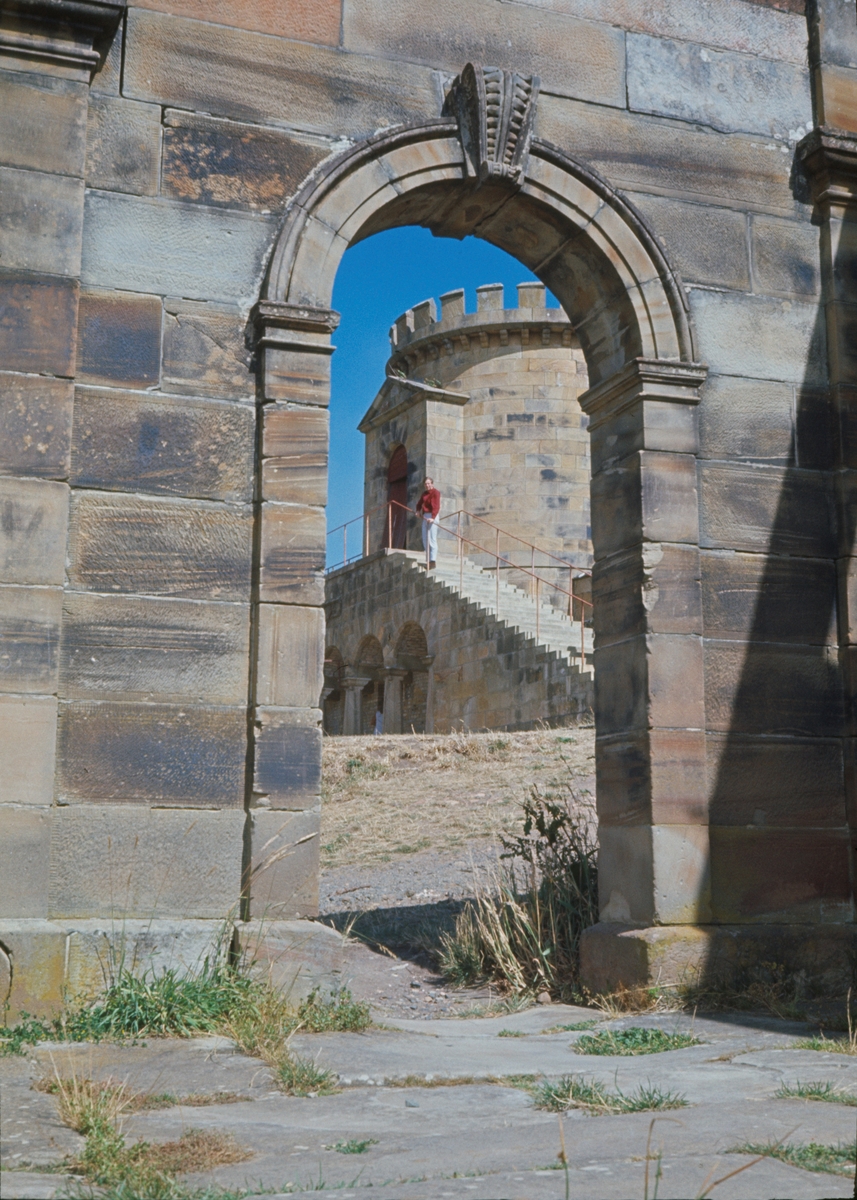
<point>421,323</point>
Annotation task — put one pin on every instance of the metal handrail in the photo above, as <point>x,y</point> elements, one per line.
<point>532,546</point>
<point>495,554</point>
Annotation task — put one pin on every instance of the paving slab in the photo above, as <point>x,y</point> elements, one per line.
<point>430,1139</point>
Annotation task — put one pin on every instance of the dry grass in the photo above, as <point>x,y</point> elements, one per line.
<point>134,1102</point>
<point>196,1150</point>
<point>391,796</point>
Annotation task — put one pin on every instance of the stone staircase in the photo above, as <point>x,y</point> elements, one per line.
<point>516,609</point>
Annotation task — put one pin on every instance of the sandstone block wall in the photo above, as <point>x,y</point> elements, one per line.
<point>163,455</point>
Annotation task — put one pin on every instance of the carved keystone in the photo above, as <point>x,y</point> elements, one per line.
<point>496,112</point>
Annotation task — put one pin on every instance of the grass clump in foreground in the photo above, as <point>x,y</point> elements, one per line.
<point>839,1159</point>
<point>816,1091</point>
<point>592,1097</point>
<point>353,1146</point>
<point>634,1040</point>
<point>523,931</point>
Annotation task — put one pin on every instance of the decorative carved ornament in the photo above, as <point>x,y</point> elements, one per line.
<point>829,157</point>
<point>496,112</point>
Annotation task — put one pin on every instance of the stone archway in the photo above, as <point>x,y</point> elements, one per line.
<point>474,172</point>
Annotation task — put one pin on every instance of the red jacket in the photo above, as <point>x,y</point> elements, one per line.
<point>429,503</point>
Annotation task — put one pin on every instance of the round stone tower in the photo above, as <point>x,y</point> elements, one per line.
<point>486,404</point>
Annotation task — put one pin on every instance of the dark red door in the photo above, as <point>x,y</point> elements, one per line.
<point>397,493</point>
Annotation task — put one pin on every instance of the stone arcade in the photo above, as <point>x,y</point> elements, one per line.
<point>180,181</point>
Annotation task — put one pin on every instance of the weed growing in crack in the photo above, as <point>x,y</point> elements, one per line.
<point>516,1033</point>
<point>592,1097</point>
<point>838,1159</point>
<point>302,1077</point>
<point>354,1146</point>
<point>816,1091</point>
<point>634,1040</point>
<point>577,1027</point>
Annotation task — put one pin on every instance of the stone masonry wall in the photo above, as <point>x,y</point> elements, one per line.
<point>483,674</point>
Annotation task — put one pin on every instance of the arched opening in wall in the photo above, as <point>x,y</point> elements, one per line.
<point>412,658</point>
<point>396,524</point>
<point>369,667</point>
<point>628,315</point>
<point>333,693</point>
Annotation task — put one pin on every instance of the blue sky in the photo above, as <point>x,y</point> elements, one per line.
<point>377,280</point>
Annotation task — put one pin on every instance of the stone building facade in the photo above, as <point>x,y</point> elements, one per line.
<point>180,181</point>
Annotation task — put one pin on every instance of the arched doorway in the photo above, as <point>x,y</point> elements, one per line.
<point>333,695</point>
<point>396,525</point>
<point>462,174</point>
<point>414,666</point>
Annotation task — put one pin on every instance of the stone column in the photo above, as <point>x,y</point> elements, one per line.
<point>429,667</point>
<point>353,685</point>
<point>649,711</point>
<point>393,683</point>
<point>284,803</point>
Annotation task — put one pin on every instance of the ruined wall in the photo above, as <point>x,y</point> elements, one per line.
<point>163,456</point>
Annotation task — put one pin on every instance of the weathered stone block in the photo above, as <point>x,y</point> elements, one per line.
<point>732,92</point>
<point>37,951</point>
<point>768,598</point>
<point>41,221</point>
<point>706,244</point>
<point>206,351</point>
<point>123,145</point>
<point>767,511</point>
<point>631,151</point>
<point>785,256</point>
<point>652,588</point>
<point>648,496</point>
<point>158,246</point>
<point>131,648</point>
<point>775,781</point>
<point>815,437</point>
<point>654,873</point>
<point>303,20</point>
<point>42,123</point>
<point>836,87</point>
<point>296,376</point>
<point>780,875</point>
<point>24,857</point>
<point>30,622</point>
<point>28,729</point>
<point>180,945</point>
<point>151,754</point>
<point>657,777</point>
<point>770,689</point>
<point>35,425</point>
<point>294,445</point>
<point>32,531</point>
<point>231,165</point>
<point>228,72</point>
<point>765,430</point>
<point>649,682</point>
<point>758,337</point>
<point>119,339</point>
<point>38,322</point>
<point>115,862</point>
<point>577,58</point>
<point>293,552</point>
<point>288,758</point>
<point>193,549</point>
<point>289,672</point>
<point>137,442</point>
<point>283,876</point>
<point>298,957</point>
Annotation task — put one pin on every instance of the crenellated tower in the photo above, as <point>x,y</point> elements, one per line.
<point>485,402</point>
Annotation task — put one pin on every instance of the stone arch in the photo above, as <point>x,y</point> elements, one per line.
<point>413,671</point>
<point>628,309</point>
<point>591,247</point>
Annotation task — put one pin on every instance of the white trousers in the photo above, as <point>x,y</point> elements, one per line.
<point>430,538</point>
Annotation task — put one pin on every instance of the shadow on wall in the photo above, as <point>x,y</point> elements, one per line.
<point>776,672</point>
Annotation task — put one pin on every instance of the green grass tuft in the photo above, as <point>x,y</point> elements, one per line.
<point>341,1014</point>
<point>816,1091</point>
<point>812,1156</point>
<point>354,1146</point>
<point>301,1077</point>
<point>575,1028</point>
<point>826,1044</point>
<point>511,1033</point>
<point>634,1040</point>
<point>592,1097</point>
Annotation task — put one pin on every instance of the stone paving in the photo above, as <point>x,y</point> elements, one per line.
<point>476,1139</point>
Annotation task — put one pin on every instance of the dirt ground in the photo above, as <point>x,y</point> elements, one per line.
<point>388,798</point>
